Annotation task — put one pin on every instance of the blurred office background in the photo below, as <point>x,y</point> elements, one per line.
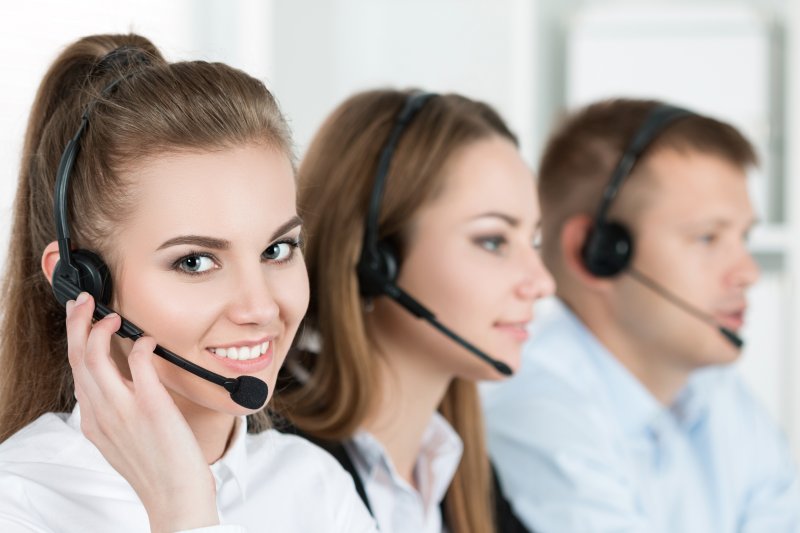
<point>532,59</point>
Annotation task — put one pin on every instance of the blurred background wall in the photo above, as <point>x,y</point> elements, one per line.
<point>531,59</point>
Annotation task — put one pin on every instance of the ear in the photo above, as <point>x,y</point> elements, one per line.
<point>49,259</point>
<point>574,233</point>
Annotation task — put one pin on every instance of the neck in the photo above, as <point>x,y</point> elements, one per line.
<point>411,390</point>
<point>654,369</point>
<point>212,429</point>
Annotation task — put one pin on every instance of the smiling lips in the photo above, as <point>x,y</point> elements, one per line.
<point>517,330</point>
<point>733,320</point>
<point>242,353</point>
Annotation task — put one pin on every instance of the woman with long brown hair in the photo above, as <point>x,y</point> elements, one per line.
<point>180,177</point>
<point>416,206</point>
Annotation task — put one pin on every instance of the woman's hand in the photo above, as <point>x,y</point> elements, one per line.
<point>137,426</point>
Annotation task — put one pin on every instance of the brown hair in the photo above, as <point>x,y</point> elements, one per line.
<point>158,107</point>
<point>335,181</point>
<point>582,152</point>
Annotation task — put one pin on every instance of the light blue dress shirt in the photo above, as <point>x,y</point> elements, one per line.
<point>581,446</point>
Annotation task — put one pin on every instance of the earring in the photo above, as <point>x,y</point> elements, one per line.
<point>368,304</point>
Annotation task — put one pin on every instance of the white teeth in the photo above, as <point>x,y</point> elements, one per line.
<point>243,353</point>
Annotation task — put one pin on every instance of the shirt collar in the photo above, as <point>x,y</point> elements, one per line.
<point>437,462</point>
<point>439,458</point>
<point>232,466</point>
<point>636,408</point>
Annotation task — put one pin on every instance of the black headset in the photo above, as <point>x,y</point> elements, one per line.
<point>379,263</point>
<point>609,248</point>
<point>84,270</point>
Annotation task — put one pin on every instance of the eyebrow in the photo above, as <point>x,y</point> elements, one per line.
<point>213,243</point>
<point>719,222</point>
<point>508,219</point>
<point>286,226</point>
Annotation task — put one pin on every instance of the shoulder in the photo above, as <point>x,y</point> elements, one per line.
<point>300,467</point>
<point>735,414</point>
<point>299,459</point>
<point>42,463</point>
<point>557,393</point>
<point>49,439</point>
<point>556,360</point>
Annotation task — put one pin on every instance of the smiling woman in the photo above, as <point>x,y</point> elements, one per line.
<point>184,185</point>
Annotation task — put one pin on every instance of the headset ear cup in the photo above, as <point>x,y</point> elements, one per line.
<point>376,269</point>
<point>388,261</point>
<point>95,277</point>
<point>608,250</point>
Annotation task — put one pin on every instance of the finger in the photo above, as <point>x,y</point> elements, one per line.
<point>150,393</point>
<point>79,322</point>
<point>79,325</point>
<point>97,357</point>
<point>143,371</point>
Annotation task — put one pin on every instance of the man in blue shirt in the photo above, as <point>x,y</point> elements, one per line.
<point>624,416</point>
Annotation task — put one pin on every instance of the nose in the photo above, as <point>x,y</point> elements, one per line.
<point>746,271</point>
<point>252,300</point>
<point>536,280</point>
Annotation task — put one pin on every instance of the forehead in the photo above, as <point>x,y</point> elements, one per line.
<point>689,186</point>
<point>487,176</point>
<point>211,193</point>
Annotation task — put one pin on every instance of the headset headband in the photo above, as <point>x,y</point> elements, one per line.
<point>413,104</point>
<point>124,55</point>
<point>655,123</point>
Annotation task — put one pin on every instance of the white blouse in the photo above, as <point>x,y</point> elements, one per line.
<point>399,507</point>
<point>53,479</point>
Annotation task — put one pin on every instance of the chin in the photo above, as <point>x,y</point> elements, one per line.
<point>480,370</point>
<point>718,353</point>
<point>727,355</point>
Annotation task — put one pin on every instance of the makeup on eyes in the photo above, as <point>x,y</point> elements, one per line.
<point>191,262</point>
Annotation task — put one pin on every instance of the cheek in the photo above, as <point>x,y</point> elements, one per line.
<point>677,265</point>
<point>175,313</point>
<point>455,288</point>
<point>292,295</point>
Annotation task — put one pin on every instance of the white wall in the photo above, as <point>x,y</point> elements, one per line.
<point>482,49</point>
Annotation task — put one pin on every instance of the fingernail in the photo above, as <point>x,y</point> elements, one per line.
<point>82,297</point>
<point>110,316</point>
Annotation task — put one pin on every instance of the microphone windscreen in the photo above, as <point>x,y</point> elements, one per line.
<point>502,367</point>
<point>732,337</point>
<point>250,393</point>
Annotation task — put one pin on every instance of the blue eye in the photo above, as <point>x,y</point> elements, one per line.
<point>195,264</point>
<point>491,244</point>
<point>708,238</point>
<point>281,251</point>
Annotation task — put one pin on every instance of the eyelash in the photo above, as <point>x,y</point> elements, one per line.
<point>497,240</point>
<point>294,243</point>
<point>708,238</point>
